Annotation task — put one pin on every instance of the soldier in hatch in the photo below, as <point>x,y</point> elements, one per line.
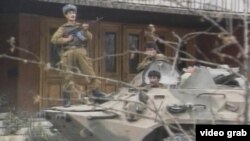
<point>152,53</point>
<point>154,79</point>
<point>74,38</point>
<point>187,73</point>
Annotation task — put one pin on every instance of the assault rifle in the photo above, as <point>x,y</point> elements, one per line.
<point>74,30</point>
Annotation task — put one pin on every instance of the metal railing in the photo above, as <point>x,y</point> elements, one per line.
<point>232,6</point>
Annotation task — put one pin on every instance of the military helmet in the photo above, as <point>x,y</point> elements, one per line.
<point>69,7</point>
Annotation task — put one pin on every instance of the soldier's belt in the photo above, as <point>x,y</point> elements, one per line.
<point>72,47</point>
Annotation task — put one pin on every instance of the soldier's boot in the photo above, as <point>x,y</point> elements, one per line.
<point>98,97</point>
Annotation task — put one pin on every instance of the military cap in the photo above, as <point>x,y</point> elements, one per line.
<point>69,7</point>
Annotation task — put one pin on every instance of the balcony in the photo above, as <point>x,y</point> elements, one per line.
<point>231,6</point>
<point>227,7</point>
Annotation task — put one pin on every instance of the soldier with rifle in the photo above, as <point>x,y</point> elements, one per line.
<point>74,38</point>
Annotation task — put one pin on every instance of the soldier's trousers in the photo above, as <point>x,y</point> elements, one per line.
<point>77,59</point>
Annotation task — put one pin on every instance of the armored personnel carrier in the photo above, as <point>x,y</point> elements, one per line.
<point>138,113</point>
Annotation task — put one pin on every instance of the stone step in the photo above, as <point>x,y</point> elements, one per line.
<point>13,138</point>
<point>3,116</point>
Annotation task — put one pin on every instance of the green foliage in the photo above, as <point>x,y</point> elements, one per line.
<point>12,124</point>
<point>38,133</point>
<point>35,133</point>
<point>29,127</point>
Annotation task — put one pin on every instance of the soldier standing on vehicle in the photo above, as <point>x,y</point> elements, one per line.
<point>74,38</point>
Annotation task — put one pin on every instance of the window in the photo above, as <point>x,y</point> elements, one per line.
<point>161,46</point>
<point>110,49</point>
<point>54,50</point>
<point>133,45</point>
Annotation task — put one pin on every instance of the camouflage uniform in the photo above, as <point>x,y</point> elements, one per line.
<point>74,55</point>
<point>74,38</point>
<point>148,60</point>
